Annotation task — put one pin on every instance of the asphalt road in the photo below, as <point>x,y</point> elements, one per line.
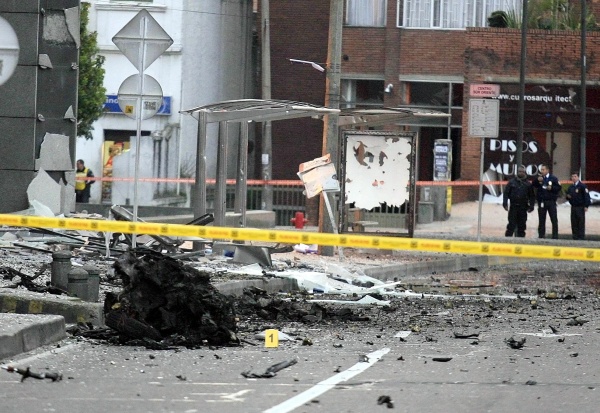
<point>550,373</point>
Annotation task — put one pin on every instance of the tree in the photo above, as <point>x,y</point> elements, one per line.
<point>91,92</point>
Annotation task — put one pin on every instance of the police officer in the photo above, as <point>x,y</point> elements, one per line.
<point>519,192</point>
<point>548,188</point>
<point>82,186</point>
<point>579,198</point>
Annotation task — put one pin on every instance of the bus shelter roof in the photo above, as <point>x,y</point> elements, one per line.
<point>257,110</point>
<point>382,116</point>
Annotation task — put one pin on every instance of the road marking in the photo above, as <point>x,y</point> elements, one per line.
<point>231,397</point>
<point>328,384</point>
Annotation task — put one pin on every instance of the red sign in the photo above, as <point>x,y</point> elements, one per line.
<point>484,90</point>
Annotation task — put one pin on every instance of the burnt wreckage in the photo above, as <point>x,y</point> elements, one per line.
<point>162,298</point>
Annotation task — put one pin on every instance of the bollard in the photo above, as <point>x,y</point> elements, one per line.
<point>78,283</point>
<point>93,282</point>
<point>61,265</point>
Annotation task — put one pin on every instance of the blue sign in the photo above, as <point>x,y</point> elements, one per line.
<point>111,105</point>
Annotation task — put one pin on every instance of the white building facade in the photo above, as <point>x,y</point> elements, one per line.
<point>209,61</point>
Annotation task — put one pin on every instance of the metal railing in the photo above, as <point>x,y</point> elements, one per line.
<point>288,197</point>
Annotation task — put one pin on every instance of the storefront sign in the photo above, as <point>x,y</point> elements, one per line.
<point>484,90</point>
<point>111,105</point>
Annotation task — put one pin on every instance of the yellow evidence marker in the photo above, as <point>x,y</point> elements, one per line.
<point>271,338</point>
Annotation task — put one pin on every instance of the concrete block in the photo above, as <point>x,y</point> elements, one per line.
<point>45,190</point>
<point>20,6</point>
<point>20,157</point>
<point>15,184</point>
<point>54,153</point>
<point>25,24</point>
<point>57,89</point>
<point>18,93</point>
<point>24,332</point>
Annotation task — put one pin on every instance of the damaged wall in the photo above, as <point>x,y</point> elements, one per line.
<point>40,98</point>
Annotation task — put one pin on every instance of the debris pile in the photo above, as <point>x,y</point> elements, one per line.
<point>256,302</point>
<point>163,298</point>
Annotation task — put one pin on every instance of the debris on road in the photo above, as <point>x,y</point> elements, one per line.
<point>271,371</point>
<point>26,373</point>
<point>387,400</point>
<point>515,344</point>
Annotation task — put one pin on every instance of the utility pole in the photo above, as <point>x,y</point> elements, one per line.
<point>267,145</point>
<point>521,115</point>
<point>582,139</point>
<point>332,101</point>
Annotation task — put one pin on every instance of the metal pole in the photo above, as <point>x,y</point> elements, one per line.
<point>521,126</point>
<point>582,139</point>
<point>267,144</point>
<point>241,183</point>
<point>480,189</point>
<point>221,185</point>
<point>199,193</point>
<point>332,100</point>
<point>138,118</point>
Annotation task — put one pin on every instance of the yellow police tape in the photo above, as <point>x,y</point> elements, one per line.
<point>297,237</point>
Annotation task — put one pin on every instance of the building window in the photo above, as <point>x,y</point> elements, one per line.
<point>443,96</point>
<point>451,14</point>
<point>370,13</point>
<point>362,93</point>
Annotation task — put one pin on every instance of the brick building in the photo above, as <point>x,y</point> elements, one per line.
<point>430,57</point>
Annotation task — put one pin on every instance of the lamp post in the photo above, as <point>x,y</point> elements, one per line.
<point>521,121</point>
<point>582,139</point>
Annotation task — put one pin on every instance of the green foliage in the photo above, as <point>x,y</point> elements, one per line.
<point>544,14</point>
<point>91,92</point>
<point>498,18</point>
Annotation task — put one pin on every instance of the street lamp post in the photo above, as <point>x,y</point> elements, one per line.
<point>582,139</point>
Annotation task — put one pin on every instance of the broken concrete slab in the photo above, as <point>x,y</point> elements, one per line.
<point>67,197</point>
<point>54,153</point>
<point>46,191</point>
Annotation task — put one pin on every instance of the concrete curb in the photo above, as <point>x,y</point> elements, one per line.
<point>21,333</point>
<point>72,309</point>
<point>395,272</point>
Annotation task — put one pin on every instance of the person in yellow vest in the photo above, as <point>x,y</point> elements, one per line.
<point>82,187</point>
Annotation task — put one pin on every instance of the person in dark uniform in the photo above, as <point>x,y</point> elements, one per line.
<point>579,198</point>
<point>519,192</point>
<point>547,188</point>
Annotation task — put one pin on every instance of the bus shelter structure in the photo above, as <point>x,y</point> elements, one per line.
<point>354,118</point>
<point>244,112</point>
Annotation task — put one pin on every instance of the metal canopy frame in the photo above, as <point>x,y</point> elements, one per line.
<point>242,111</point>
<point>353,117</point>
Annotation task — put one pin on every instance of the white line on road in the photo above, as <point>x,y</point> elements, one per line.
<point>328,384</point>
